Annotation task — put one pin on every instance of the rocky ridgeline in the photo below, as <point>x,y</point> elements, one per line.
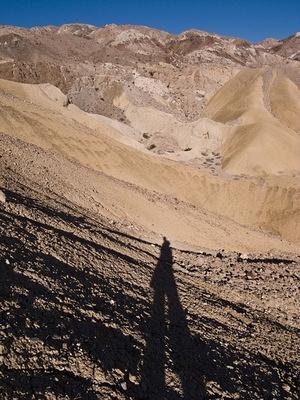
<point>94,65</point>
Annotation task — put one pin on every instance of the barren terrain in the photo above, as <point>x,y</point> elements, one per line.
<point>149,215</point>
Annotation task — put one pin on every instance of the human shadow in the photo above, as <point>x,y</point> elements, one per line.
<point>169,344</point>
<point>68,304</point>
<point>175,357</point>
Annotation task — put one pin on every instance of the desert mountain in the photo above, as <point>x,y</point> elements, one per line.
<point>288,48</point>
<point>92,65</point>
<point>149,214</point>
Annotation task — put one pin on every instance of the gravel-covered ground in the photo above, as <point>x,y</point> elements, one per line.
<point>90,312</point>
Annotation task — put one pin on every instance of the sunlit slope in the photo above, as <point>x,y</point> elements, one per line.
<point>197,135</point>
<point>235,98</point>
<point>35,118</point>
<point>261,106</point>
<point>261,148</point>
<point>285,102</point>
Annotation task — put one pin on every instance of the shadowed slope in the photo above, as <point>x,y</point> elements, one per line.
<point>80,317</point>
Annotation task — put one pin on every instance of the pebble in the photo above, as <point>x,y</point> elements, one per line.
<point>132,378</point>
<point>2,197</point>
<point>286,387</point>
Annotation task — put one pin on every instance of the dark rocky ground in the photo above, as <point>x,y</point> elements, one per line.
<point>88,312</point>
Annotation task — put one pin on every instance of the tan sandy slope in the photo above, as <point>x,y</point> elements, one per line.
<point>253,122</point>
<point>30,114</point>
<point>262,107</point>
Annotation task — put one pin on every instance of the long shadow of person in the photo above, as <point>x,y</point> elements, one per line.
<point>169,344</point>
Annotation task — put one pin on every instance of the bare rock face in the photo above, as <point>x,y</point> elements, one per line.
<point>288,48</point>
